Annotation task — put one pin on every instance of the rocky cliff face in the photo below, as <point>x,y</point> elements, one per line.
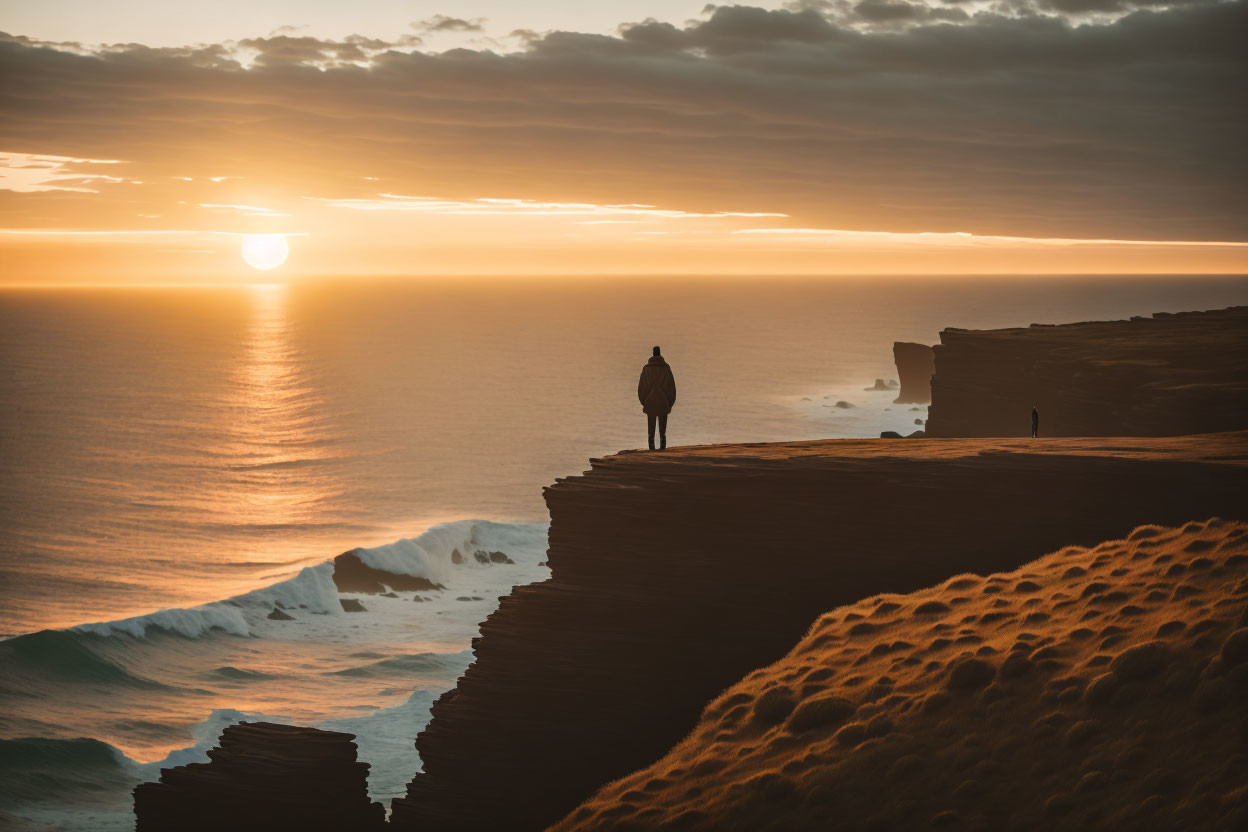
<point>677,573</point>
<point>915,365</point>
<point>1161,376</point>
<point>266,777</point>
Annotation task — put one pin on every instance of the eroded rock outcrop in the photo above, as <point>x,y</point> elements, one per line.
<point>677,573</point>
<point>1167,375</point>
<point>1102,688</point>
<point>915,365</point>
<point>264,776</point>
<point>353,575</point>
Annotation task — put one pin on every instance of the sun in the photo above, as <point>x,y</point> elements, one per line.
<point>265,251</point>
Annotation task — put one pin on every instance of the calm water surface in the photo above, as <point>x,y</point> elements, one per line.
<point>170,447</point>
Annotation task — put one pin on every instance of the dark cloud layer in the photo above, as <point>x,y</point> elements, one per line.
<point>443,23</point>
<point>1008,125</point>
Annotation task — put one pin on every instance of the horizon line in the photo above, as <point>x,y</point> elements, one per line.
<point>292,282</point>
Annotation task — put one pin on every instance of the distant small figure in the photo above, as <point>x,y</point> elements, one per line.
<point>656,390</point>
<point>1035,422</point>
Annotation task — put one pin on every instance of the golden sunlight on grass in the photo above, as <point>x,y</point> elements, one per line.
<point>1093,688</point>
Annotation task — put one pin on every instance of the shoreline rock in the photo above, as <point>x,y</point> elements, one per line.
<point>264,776</point>
<point>353,575</point>
<point>663,590</point>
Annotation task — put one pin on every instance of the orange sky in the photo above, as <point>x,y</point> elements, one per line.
<point>748,140</point>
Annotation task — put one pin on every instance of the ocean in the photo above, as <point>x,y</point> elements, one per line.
<point>178,463</point>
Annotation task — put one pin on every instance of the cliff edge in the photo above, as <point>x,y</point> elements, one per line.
<point>677,573</point>
<point>1166,375</point>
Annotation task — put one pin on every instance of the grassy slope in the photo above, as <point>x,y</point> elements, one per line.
<point>1093,688</point>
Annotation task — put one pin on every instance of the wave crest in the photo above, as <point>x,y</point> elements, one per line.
<point>312,589</point>
<point>432,554</point>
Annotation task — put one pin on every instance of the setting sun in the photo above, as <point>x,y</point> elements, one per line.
<point>326,501</point>
<point>265,251</point>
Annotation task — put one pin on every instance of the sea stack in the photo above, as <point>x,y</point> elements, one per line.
<point>264,776</point>
<point>915,365</point>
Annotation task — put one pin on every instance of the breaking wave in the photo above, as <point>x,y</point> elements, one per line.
<point>436,554</point>
<point>238,646</point>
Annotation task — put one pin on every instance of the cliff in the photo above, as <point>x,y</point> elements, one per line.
<point>264,776</point>
<point>677,573</point>
<point>915,365</point>
<point>1161,376</point>
<point>1102,688</point>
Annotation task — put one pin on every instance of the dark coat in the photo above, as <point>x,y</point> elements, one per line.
<point>656,389</point>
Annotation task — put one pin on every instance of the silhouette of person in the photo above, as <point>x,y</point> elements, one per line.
<point>1035,422</point>
<point>656,390</point>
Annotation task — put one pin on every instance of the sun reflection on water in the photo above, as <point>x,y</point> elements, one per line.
<point>277,430</point>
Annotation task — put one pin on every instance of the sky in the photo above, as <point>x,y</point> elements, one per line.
<point>143,141</point>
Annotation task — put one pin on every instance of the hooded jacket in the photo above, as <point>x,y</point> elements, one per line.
<point>656,389</point>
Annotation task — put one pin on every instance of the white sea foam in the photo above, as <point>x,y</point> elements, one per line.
<point>428,555</point>
<point>313,588</point>
<point>374,646</point>
<point>387,741</point>
<point>206,735</point>
<point>871,412</point>
<point>191,622</point>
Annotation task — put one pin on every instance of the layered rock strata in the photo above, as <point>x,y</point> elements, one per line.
<point>264,776</point>
<point>1167,375</point>
<point>677,573</point>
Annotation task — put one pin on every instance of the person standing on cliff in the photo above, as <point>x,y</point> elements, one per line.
<point>656,390</point>
<point>1035,422</point>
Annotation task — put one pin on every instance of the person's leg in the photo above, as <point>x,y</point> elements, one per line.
<point>650,428</point>
<point>662,432</point>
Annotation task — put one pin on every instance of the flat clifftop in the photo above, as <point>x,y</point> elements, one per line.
<point>1165,375</point>
<point>676,573</point>
<point>1229,448</point>
<point>1163,329</point>
<point>1101,688</point>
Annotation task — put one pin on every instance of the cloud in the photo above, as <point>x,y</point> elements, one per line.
<point>1007,122</point>
<point>127,234</point>
<point>886,13</point>
<point>483,206</point>
<point>961,239</point>
<point>32,172</point>
<point>290,50</point>
<point>442,23</point>
<point>247,210</point>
